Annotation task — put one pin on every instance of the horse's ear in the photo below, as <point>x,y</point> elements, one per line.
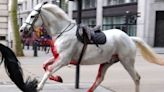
<point>45,2</point>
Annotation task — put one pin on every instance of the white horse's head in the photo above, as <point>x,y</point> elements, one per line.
<point>51,16</point>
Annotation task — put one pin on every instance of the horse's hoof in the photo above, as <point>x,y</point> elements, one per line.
<point>56,78</point>
<point>89,91</point>
<point>38,89</point>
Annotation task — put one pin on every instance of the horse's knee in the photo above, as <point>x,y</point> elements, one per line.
<point>137,81</point>
<point>50,68</point>
<point>139,77</point>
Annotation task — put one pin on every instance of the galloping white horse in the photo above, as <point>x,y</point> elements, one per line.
<point>66,48</point>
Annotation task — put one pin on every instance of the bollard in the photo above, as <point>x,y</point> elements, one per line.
<point>35,49</point>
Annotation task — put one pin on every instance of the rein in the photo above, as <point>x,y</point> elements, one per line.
<point>65,29</point>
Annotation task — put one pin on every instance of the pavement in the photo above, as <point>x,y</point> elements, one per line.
<point>32,66</point>
<point>116,80</point>
<point>55,87</point>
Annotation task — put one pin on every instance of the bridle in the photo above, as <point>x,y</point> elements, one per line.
<point>70,26</point>
<point>35,18</point>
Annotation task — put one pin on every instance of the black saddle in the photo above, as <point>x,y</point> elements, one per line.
<point>93,35</point>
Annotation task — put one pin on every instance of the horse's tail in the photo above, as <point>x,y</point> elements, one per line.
<point>14,70</point>
<point>147,52</point>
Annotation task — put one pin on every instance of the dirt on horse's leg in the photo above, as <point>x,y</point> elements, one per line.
<point>51,69</point>
<point>100,76</point>
<point>46,64</point>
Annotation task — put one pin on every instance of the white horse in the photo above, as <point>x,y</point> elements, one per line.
<point>118,47</point>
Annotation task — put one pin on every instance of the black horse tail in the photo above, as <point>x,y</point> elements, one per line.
<point>14,70</point>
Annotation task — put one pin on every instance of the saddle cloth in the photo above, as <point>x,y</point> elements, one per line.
<point>93,35</point>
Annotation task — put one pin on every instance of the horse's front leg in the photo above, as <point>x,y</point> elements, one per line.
<point>50,70</point>
<point>45,77</point>
<point>48,63</point>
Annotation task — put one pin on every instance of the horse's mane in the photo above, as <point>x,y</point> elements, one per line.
<point>55,10</point>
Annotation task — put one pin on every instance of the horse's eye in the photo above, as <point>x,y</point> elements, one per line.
<point>32,16</point>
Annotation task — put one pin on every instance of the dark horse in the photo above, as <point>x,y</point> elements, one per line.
<point>14,70</point>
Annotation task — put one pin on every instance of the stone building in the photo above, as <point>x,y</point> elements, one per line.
<point>109,14</point>
<point>142,18</point>
<point>150,25</point>
<point>3,21</point>
<point>26,6</point>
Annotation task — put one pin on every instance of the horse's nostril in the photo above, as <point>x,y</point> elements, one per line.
<point>25,32</point>
<point>21,30</point>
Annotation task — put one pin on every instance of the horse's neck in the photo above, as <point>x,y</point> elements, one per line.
<point>55,25</point>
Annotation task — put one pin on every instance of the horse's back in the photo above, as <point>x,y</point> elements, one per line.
<point>122,42</point>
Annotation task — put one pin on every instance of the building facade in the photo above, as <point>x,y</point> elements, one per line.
<point>120,14</point>
<point>3,21</point>
<point>150,24</point>
<point>26,6</point>
<point>142,18</point>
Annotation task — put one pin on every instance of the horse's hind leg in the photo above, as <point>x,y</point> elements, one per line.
<point>100,76</point>
<point>129,66</point>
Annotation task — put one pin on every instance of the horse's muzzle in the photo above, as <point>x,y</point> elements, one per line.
<point>25,32</point>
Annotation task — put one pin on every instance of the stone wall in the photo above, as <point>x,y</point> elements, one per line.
<point>3,21</point>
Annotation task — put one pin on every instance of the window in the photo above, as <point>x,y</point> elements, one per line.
<point>126,24</point>
<point>158,0</point>
<point>89,4</point>
<point>25,5</point>
<point>91,22</point>
<point>32,4</point>
<point>119,20</point>
<point>53,1</point>
<point>2,38</point>
<point>132,1</point>
<point>37,1</point>
<point>20,7</point>
<point>115,2</point>
<point>107,22</point>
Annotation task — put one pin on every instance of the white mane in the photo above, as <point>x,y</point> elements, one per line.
<point>55,10</point>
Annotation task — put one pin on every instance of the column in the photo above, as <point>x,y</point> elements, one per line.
<point>70,8</point>
<point>99,12</point>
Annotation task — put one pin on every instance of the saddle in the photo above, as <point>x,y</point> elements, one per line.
<point>92,35</point>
